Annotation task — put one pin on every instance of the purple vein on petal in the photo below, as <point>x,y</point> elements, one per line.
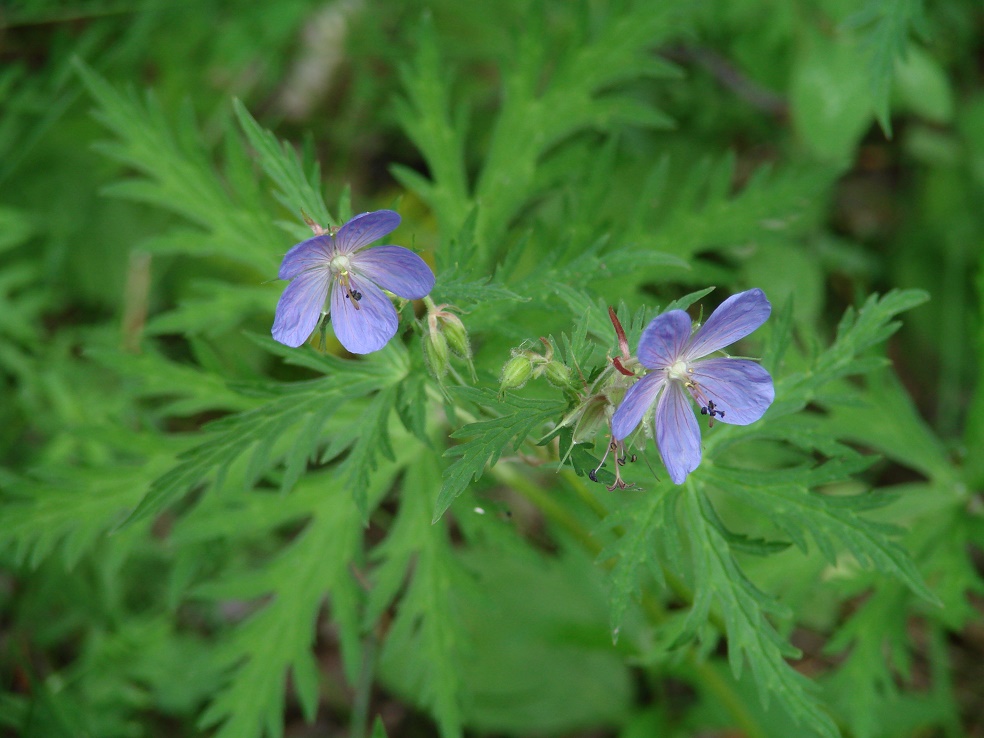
<point>363,229</point>
<point>368,328</point>
<point>310,254</point>
<point>739,387</point>
<point>637,402</point>
<point>664,338</point>
<point>734,319</point>
<point>677,433</point>
<point>299,308</point>
<point>396,269</point>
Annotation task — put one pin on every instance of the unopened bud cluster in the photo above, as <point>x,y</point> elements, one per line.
<point>525,364</point>
<point>445,335</point>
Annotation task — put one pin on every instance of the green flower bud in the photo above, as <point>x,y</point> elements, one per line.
<point>557,374</point>
<point>515,373</point>
<point>454,331</point>
<point>436,354</point>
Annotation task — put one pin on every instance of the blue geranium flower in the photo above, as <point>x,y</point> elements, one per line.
<point>735,391</point>
<point>336,266</point>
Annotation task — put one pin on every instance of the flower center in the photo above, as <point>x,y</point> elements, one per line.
<point>678,370</point>
<point>340,264</point>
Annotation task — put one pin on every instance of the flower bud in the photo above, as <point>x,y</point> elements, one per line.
<point>557,374</point>
<point>436,353</point>
<point>515,373</point>
<point>454,331</point>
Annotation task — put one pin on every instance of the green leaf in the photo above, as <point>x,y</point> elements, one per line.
<point>739,541</point>
<point>437,131</point>
<point>176,173</point>
<point>856,332</point>
<point>21,306</point>
<point>884,418</point>
<point>535,116</point>
<point>371,440</point>
<point>378,729</point>
<point>426,623</point>
<point>15,228</point>
<point>922,86</point>
<point>277,640</point>
<point>217,308</point>
<point>834,522</point>
<point>285,426</point>
<point>299,190</point>
<point>876,643</point>
<point>546,666</point>
<point>70,510</point>
<point>638,526</point>
<point>696,210</point>
<point>830,102</point>
<point>885,25</point>
<point>489,438</point>
<point>752,638</point>
<point>464,293</point>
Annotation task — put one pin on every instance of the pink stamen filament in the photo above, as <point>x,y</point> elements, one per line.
<point>619,462</point>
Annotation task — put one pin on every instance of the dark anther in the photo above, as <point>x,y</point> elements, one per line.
<point>592,476</point>
<point>711,410</point>
<point>620,461</point>
<point>355,295</point>
<point>632,458</point>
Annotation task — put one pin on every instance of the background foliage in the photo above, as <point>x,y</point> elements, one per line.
<point>203,532</point>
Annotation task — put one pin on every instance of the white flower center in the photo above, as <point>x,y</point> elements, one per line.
<point>340,264</point>
<point>678,370</point>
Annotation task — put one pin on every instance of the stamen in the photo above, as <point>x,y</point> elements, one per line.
<point>619,461</point>
<point>711,410</point>
<point>593,475</point>
<point>707,407</point>
<point>353,295</point>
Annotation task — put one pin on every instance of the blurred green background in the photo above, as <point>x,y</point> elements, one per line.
<point>868,117</point>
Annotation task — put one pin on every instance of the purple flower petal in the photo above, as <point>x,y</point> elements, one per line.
<point>363,229</point>
<point>677,433</point>
<point>310,254</point>
<point>740,388</point>
<point>664,338</point>
<point>637,402</point>
<point>734,318</point>
<point>396,269</point>
<point>368,328</point>
<point>300,307</point>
